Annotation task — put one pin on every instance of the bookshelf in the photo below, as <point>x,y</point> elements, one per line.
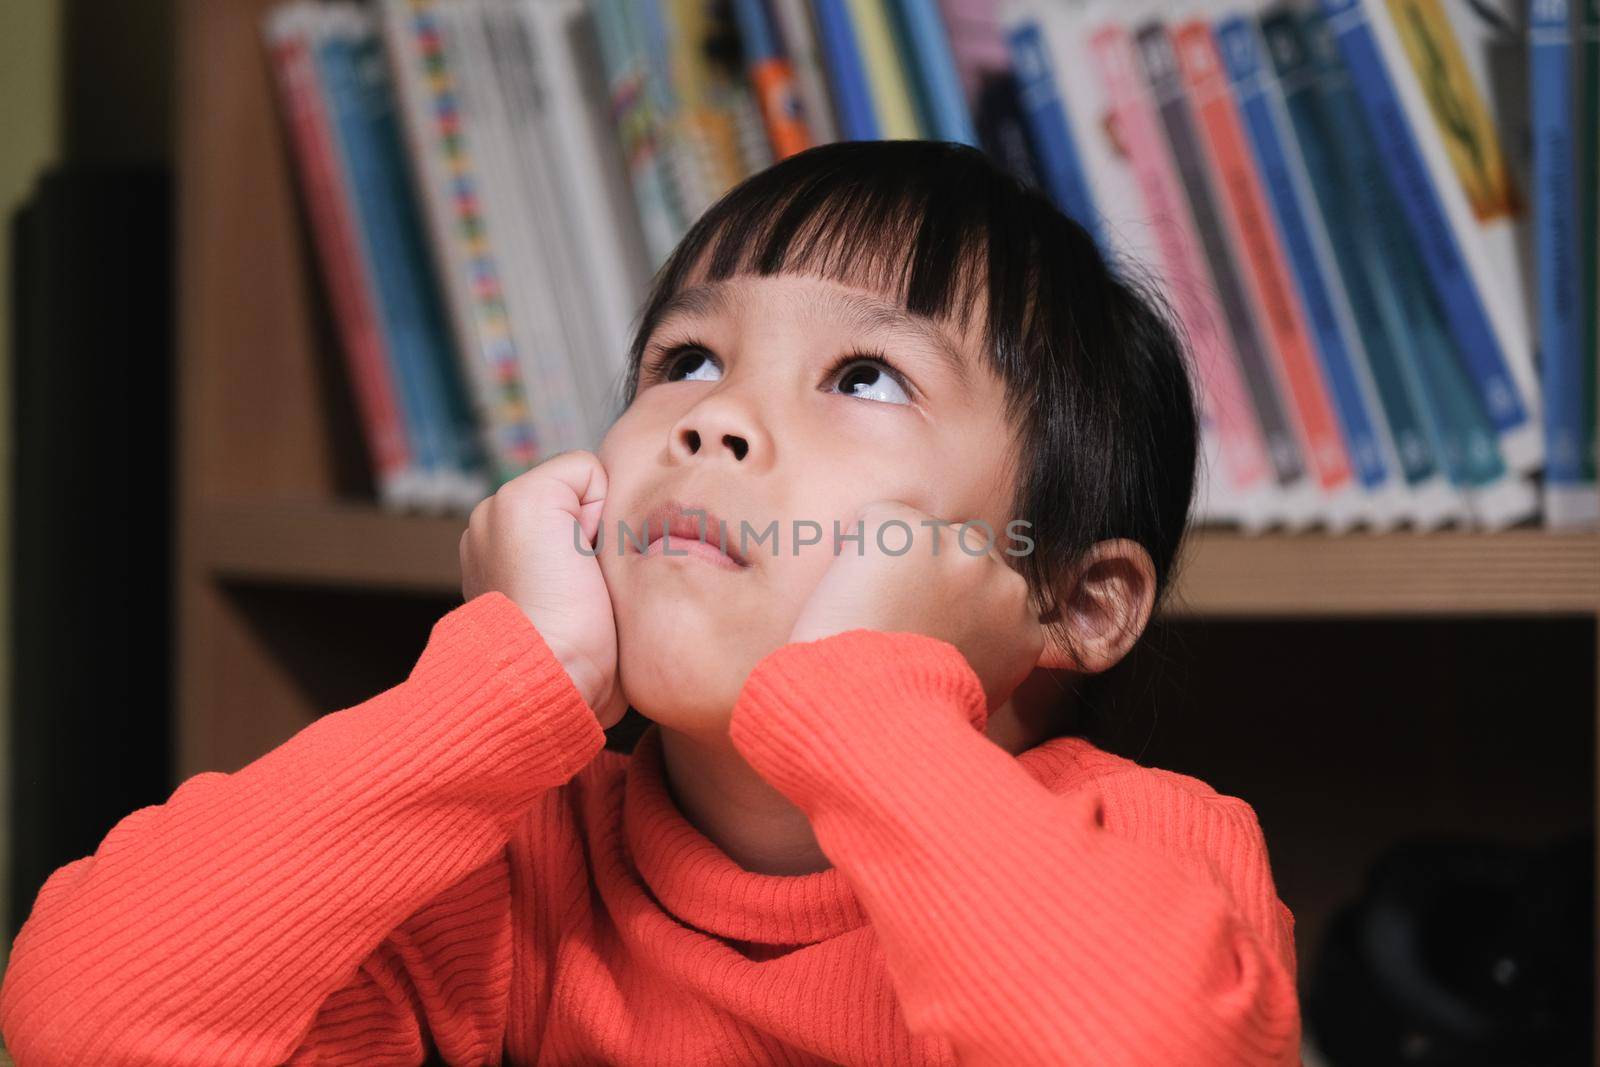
<point>282,559</point>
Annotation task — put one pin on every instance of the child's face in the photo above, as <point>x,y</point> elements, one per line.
<point>755,426</point>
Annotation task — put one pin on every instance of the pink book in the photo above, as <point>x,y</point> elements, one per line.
<point>1189,282</point>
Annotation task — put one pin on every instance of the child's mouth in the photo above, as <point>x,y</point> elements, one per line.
<point>691,531</point>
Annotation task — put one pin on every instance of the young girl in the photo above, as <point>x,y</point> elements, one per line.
<point>897,441</point>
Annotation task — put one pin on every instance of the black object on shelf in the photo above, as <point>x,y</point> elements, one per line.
<point>91,513</point>
<point>1462,952</point>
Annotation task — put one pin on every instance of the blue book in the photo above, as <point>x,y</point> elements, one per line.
<point>1556,222</point>
<point>401,294</point>
<point>1434,237</point>
<point>1052,132</point>
<point>1333,183</point>
<point>1281,170</point>
<point>1459,428</point>
<point>847,78</point>
<point>933,68</point>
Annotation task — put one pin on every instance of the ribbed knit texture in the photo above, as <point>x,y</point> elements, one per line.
<point>456,866</point>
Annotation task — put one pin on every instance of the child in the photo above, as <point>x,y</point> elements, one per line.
<point>853,831</point>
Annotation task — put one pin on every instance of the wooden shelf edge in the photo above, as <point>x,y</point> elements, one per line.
<point>1508,573</point>
<point>329,544</point>
<point>1511,573</point>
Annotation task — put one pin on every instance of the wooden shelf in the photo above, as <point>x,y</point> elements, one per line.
<point>1522,572</point>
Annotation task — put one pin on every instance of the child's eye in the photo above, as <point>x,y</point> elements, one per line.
<point>683,363</point>
<point>871,377</point>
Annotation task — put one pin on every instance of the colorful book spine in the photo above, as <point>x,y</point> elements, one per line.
<point>797,32</point>
<point>773,79</point>
<point>930,58</point>
<point>336,239</point>
<point>1570,497</point>
<point>1283,177</point>
<point>1459,430</point>
<point>703,121</point>
<point>651,38</point>
<point>1160,70</point>
<point>1167,221</point>
<point>1052,133</point>
<point>852,95</point>
<point>593,183</point>
<point>1486,335</point>
<point>445,436</point>
<point>886,73</point>
<point>1266,271</point>
<point>640,130</point>
<point>450,193</point>
<point>1330,139</point>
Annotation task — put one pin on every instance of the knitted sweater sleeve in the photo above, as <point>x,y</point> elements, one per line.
<point>343,898</point>
<point>1128,921</point>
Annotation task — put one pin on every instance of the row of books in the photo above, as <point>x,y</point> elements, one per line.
<point>1374,219</point>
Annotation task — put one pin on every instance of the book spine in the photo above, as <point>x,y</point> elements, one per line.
<point>1589,191</point>
<point>450,179</point>
<point>1166,216</point>
<point>798,32</point>
<point>639,132</point>
<point>773,78</point>
<point>1160,69</point>
<point>594,181</point>
<point>1448,271</point>
<point>557,249</point>
<point>858,118</point>
<point>1569,496</point>
<point>703,120</point>
<point>1052,133</point>
<point>1265,270</point>
<point>466,480</point>
<point>652,38</point>
<point>336,67</point>
<point>949,117</point>
<point>1459,433</point>
<point>1282,176</point>
<point>1331,138</point>
<point>512,226</point>
<point>334,235</point>
<point>887,76</point>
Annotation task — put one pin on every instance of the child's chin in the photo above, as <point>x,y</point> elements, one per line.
<point>681,679</point>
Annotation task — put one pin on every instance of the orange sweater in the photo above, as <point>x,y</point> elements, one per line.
<point>456,865</point>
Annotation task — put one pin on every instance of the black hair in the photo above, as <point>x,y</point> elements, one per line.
<point>1095,372</point>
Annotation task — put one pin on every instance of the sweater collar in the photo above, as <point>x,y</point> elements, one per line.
<point>699,884</point>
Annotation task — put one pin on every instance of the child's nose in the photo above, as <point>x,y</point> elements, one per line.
<point>735,443</point>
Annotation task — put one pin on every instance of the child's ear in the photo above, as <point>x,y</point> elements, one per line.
<point>1104,607</point>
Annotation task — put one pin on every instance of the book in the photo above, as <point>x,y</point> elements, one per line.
<point>1339,165</point>
<point>1571,498</point>
<point>444,437</point>
<point>1146,231</point>
<point>1416,128</point>
<point>447,179</point>
<point>1041,101</point>
<point>932,66</point>
<point>1297,503</point>
<point>1265,272</point>
<point>336,239</point>
<point>1308,252</point>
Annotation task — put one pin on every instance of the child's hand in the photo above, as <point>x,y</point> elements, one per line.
<point>521,542</point>
<point>975,602</point>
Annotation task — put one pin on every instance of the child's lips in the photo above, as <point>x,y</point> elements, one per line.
<point>692,531</point>
<point>692,548</point>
